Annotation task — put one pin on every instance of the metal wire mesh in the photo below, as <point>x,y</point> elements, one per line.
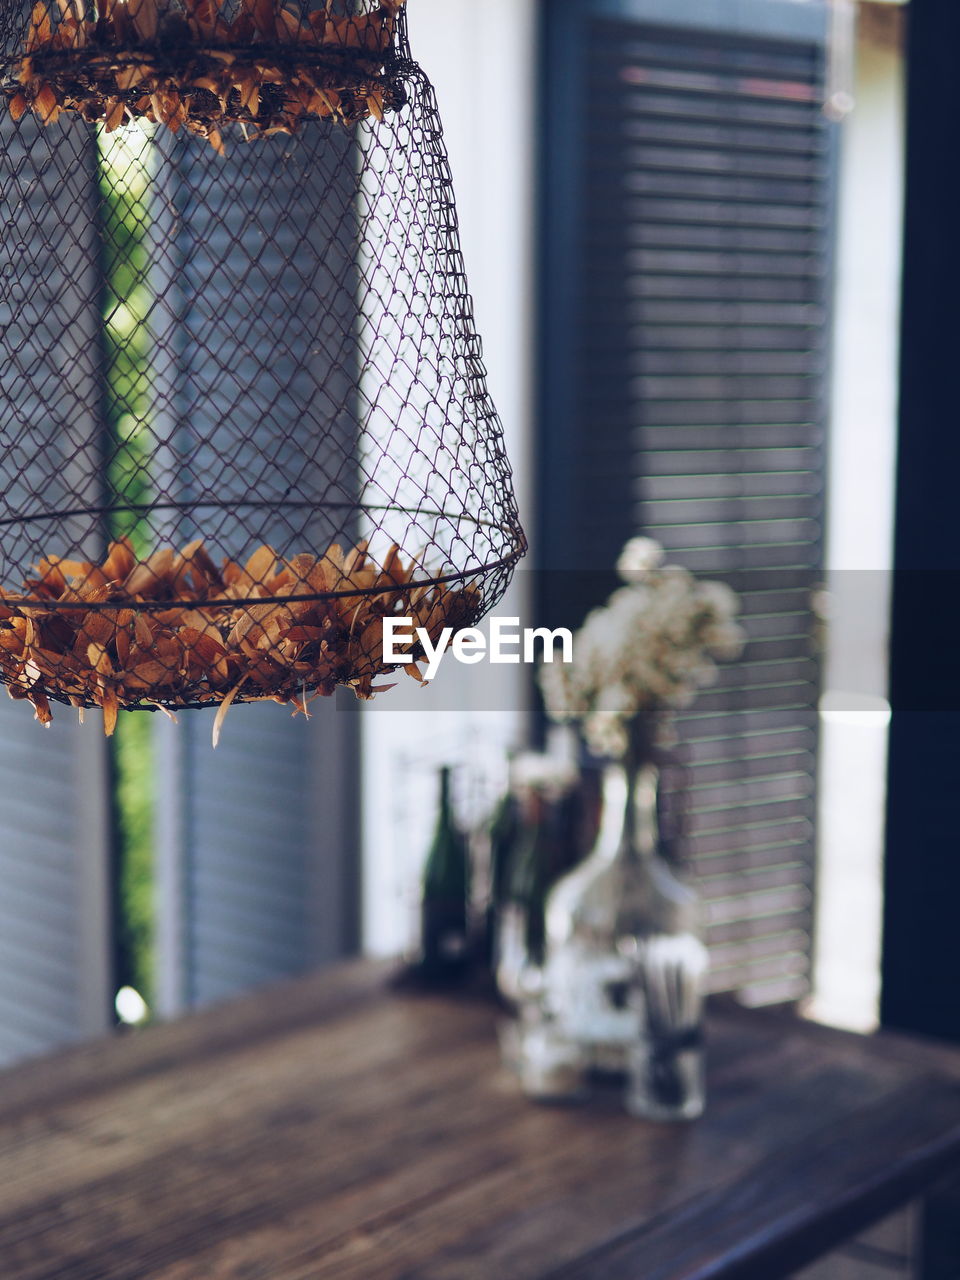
<point>243,409</point>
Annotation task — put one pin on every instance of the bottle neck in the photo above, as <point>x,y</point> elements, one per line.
<point>628,826</point>
<point>447,869</point>
<point>444,792</point>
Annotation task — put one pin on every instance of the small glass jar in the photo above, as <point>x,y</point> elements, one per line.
<point>665,1065</point>
<point>552,1066</point>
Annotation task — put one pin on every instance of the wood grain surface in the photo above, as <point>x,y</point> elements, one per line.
<point>334,1128</point>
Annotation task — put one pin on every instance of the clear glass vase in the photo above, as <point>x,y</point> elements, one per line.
<point>624,963</point>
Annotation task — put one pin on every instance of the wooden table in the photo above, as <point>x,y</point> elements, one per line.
<point>331,1128</point>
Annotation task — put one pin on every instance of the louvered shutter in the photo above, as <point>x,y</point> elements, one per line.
<point>688,194</point>
<point>54,830</point>
<point>255,840</point>
<point>257,847</point>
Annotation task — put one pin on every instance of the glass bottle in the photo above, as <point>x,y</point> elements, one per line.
<point>502,835</point>
<point>546,843</point>
<point>520,919</point>
<point>444,919</point>
<point>624,963</point>
<point>531,871</point>
<point>551,1065</point>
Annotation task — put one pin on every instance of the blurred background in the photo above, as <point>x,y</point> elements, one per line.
<point>685,254</point>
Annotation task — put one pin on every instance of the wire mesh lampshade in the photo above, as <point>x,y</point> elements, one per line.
<point>243,410</point>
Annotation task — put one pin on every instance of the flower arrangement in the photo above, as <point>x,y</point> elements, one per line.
<point>644,653</point>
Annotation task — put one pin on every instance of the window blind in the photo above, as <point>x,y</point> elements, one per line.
<point>687,296</point>
<point>54,828</point>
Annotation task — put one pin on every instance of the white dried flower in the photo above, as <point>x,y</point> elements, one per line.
<point>638,557</point>
<point>646,651</point>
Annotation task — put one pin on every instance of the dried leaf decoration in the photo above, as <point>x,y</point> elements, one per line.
<point>174,630</point>
<point>186,64</point>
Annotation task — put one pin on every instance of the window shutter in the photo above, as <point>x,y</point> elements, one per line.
<point>255,840</point>
<point>688,336</point>
<point>54,812</point>
<point>257,849</point>
<point>55,960</point>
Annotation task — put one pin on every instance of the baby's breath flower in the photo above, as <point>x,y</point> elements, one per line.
<point>646,651</point>
<point>638,557</point>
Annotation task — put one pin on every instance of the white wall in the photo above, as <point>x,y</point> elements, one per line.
<point>862,460</point>
<point>481,59</point>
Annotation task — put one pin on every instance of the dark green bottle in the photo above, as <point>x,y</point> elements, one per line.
<point>503,833</point>
<point>446,896</point>
<point>530,876</point>
<point>504,830</point>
